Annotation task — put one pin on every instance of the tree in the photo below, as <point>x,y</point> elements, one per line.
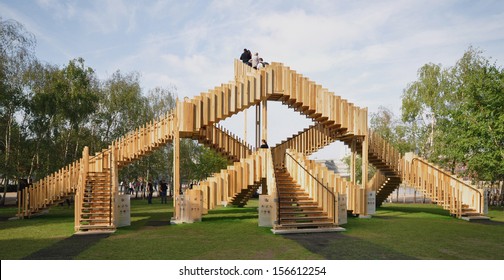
<point>121,107</point>
<point>392,129</point>
<point>463,105</point>
<point>476,109</point>
<point>158,165</point>
<point>16,54</point>
<point>61,102</point>
<point>422,104</point>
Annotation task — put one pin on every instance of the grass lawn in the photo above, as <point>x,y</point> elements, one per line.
<point>397,231</point>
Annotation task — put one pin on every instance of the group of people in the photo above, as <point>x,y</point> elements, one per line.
<point>145,189</point>
<point>254,61</point>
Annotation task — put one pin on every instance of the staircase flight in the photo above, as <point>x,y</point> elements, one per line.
<point>301,202</point>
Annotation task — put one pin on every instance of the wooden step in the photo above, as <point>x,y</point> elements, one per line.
<point>304,225</point>
<point>302,219</point>
<point>302,212</point>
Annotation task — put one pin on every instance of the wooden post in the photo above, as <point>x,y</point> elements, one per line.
<point>115,182</point>
<point>176,168</point>
<point>264,120</point>
<point>84,167</point>
<point>365,171</point>
<point>245,125</point>
<point>353,178</point>
<point>258,126</point>
<point>264,135</point>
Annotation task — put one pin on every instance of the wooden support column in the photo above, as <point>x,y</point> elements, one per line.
<point>364,180</point>
<point>264,135</point>
<point>264,120</point>
<point>365,162</point>
<point>115,182</point>
<point>353,151</point>
<point>176,169</point>
<point>245,125</point>
<point>258,126</point>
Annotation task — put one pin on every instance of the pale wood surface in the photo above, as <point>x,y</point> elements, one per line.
<point>335,119</point>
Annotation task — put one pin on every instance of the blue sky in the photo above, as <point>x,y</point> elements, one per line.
<point>364,51</point>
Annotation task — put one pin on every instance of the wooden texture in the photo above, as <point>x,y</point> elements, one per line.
<point>334,119</point>
<point>240,176</point>
<point>321,175</point>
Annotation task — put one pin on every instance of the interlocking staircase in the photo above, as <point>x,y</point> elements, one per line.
<point>240,199</point>
<point>297,209</point>
<point>97,204</point>
<point>335,119</point>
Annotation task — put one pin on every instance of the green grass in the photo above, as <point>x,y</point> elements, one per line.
<point>397,231</point>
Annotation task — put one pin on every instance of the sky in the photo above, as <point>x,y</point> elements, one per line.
<point>364,51</point>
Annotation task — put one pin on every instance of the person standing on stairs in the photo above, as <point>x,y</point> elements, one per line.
<point>264,145</point>
<point>245,56</point>
<point>260,65</point>
<point>254,60</point>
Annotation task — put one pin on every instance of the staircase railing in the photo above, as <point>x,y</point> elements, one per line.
<point>321,194</point>
<point>376,181</point>
<point>224,142</point>
<point>444,187</point>
<point>382,149</point>
<point>222,186</point>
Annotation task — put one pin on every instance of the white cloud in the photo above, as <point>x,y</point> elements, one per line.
<point>364,51</point>
<point>109,16</point>
<point>59,9</point>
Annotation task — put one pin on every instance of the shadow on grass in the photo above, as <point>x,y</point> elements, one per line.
<point>224,218</point>
<point>337,246</point>
<point>232,210</point>
<point>231,213</point>
<point>68,248</point>
<point>488,222</point>
<point>416,208</point>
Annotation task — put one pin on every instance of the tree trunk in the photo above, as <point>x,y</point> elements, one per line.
<point>6,183</point>
<point>7,158</point>
<point>67,142</point>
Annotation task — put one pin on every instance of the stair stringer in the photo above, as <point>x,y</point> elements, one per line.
<point>222,187</point>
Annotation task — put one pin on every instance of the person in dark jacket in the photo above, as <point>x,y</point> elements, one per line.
<point>246,56</point>
<point>150,191</point>
<point>264,145</point>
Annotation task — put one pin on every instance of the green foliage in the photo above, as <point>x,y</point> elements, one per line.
<point>358,167</point>
<point>386,124</point>
<point>16,54</point>
<point>455,116</point>
<point>49,113</point>
<point>122,106</point>
<point>209,162</point>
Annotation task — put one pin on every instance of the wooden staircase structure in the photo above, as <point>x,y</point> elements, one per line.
<point>334,119</point>
<point>298,211</point>
<point>97,202</point>
<point>240,199</point>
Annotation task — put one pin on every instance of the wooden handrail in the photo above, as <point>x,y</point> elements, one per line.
<point>318,182</point>
<point>480,196</point>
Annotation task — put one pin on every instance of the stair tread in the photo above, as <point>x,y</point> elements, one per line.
<point>306,224</point>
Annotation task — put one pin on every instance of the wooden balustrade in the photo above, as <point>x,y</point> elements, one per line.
<point>442,187</point>
<point>51,189</point>
<point>224,185</point>
<point>306,142</point>
<point>299,166</point>
<point>224,142</point>
<point>376,181</point>
<point>384,151</point>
